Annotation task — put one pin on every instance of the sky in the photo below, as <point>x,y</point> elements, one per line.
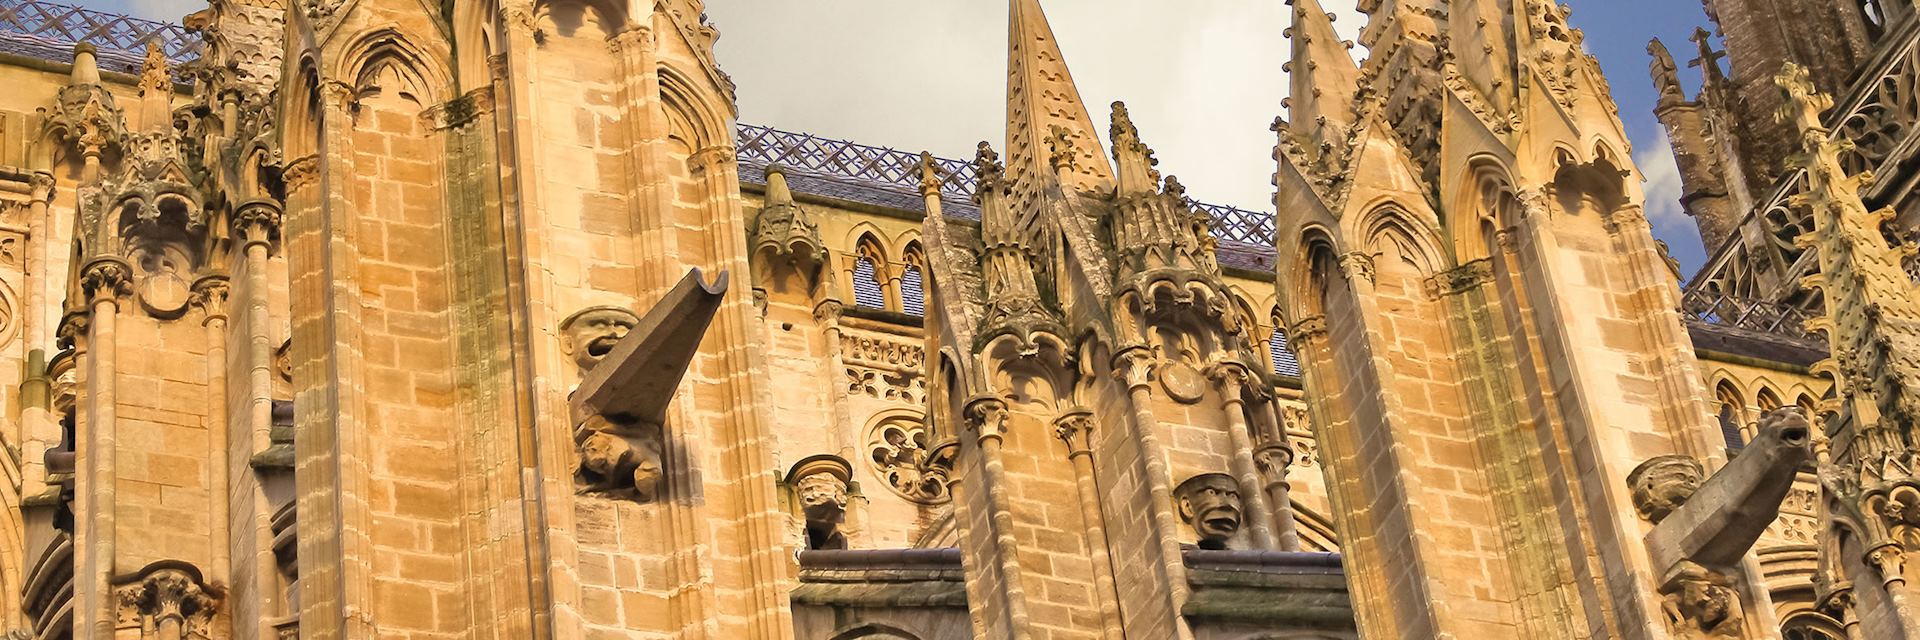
<point>1201,78</point>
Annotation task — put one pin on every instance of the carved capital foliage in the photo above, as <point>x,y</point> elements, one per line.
<point>169,592</point>
<point>40,186</point>
<point>210,295</point>
<point>634,39</point>
<point>717,156</point>
<point>1508,240</point>
<point>73,329</point>
<point>1307,331</point>
<point>828,311</point>
<point>1134,367</point>
<point>1460,279</point>
<point>1357,266</point>
<point>106,279</point>
<point>301,172</point>
<point>1075,428</point>
<point>1273,459</point>
<point>258,222</point>
<point>1626,219</point>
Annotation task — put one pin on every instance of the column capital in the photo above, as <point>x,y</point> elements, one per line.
<point>258,221</point>
<point>210,295</point>
<point>987,418</point>
<point>1134,366</point>
<point>106,279</point>
<point>301,172</point>
<point>1075,427</point>
<point>1357,266</point>
<point>40,186</point>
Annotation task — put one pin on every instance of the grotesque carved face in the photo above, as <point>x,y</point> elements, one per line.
<point>590,334</point>
<point>1662,484</point>
<point>1210,503</point>
<point>822,496</point>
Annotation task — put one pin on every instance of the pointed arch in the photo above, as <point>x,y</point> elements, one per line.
<point>385,48</point>
<point>300,111</point>
<point>1484,205</point>
<point>869,271</point>
<point>1413,240</point>
<point>1730,412</point>
<point>706,123</point>
<point>913,278</point>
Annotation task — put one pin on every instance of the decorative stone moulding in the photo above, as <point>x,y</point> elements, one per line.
<point>898,447</point>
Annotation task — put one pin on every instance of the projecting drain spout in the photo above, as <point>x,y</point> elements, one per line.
<point>1703,529</point>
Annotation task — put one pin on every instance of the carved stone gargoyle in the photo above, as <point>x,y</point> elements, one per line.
<point>621,402</point>
<point>1703,529</point>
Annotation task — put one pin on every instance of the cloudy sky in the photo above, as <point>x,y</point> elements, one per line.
<point>1202,78</point>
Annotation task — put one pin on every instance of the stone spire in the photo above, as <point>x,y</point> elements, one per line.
<point>1322,73</point>
<point>1153,226</point>
<point>1040,98</point>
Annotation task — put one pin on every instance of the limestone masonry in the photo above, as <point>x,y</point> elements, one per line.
<point>487,320</point>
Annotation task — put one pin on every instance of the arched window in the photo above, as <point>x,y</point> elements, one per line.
<point>868,286</point>
<point>1729,410</point>
<point>1808,407</point>
<point>1277,352</point>
<point>1766,401</point>
<point>913,285</point>
<point>1811,626</point>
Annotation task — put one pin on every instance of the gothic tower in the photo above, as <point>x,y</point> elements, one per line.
<point>1088,348</point>
<point>1486,327</point>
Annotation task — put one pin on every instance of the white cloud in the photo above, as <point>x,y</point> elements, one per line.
<point>1202,80</point>
<point>1663,187</point>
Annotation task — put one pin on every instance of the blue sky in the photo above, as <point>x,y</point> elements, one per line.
<point>1202,79</point>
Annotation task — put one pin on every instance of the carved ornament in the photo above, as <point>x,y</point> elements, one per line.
<point>899,449</point>
<point>1210,504</point>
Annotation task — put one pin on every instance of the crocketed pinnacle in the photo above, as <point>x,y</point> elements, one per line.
<point>1041,97</point>
<point>1322,74</point>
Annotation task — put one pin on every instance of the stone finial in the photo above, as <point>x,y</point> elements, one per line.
<point>86,65</point>
<point>1210,503</point>
<point>1666,75</point>
<point>1709,60</point>
<point>1804,103</point>
<point>1133,160</point>
<point>931,178</point>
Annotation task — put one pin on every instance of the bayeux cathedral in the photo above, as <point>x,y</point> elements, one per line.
<point>356,319</point>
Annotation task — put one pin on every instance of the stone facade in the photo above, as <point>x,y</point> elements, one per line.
<point>356,320</point>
